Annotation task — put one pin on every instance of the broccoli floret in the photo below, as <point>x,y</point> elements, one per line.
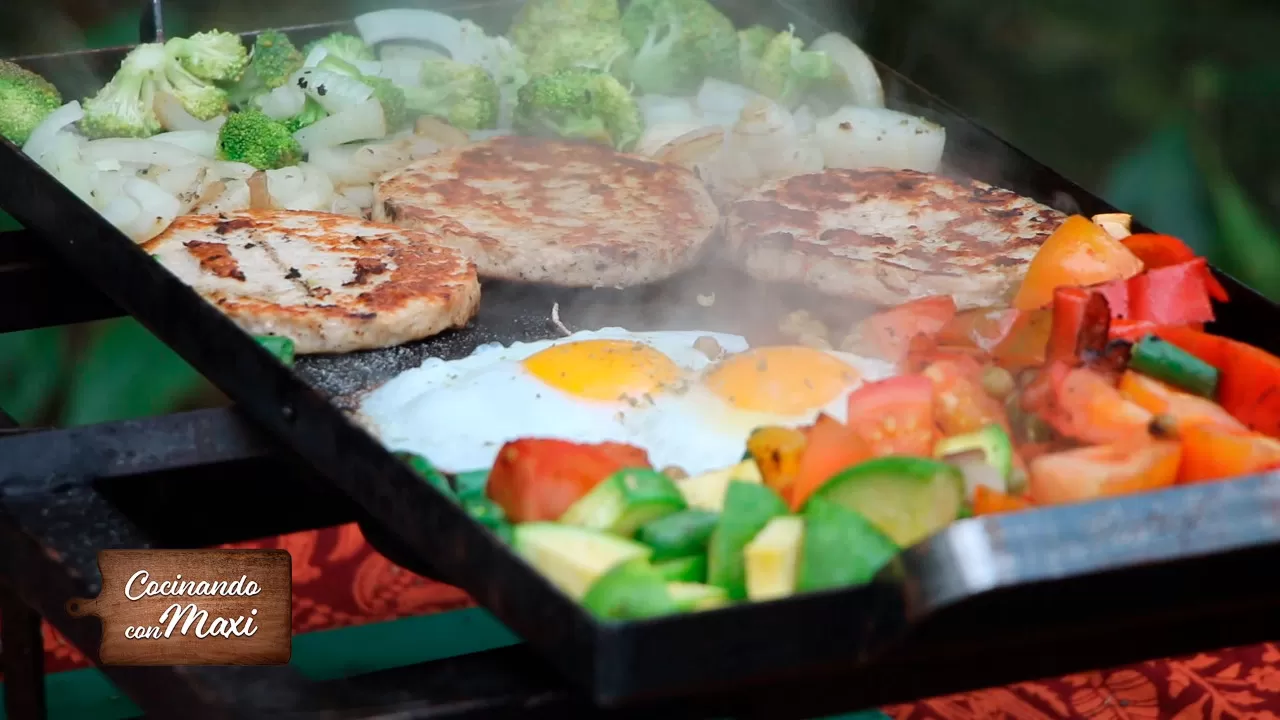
<point>272,61</point>
<point>784,71</point>
<point>341,45</point>
<point>252,137</point>
<point>125,106</point>
<point>26,99</point>
<point>214,55</point>
<point>678,43</point>
<point>538,18</point>
<point>751,45</point>
<point>391,97</point>
<point>465,96</point>
<point>579,103</point>
<point>600,47</point>
<point>311,112</point>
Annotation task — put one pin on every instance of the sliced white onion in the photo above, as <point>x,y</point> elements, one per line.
<point>360,195</point>
<point>399,52</point>
<point>159,208</point>
<point>658,135</point>
<point>805,120</point>
<point>183,182</point>
<point>334,91</point>
<point>233,198</point>
<point>173,116</point>
<point>336,163</point>
<point>64,161</point>
<point>44,133</point>
<point>862,137</point>
<point>722,102</point>
<point>226,170</point>
<point>108,165</point>
<point>316,192</point>
<point>420,147</point>
<point>860,72</point>
<point>381,158</point>
<point>283,102</point>
<point>314,57</point>
<point>340,205</point>
<point>284,185</point>
<point>362,122</point>
<point>145,152</point>
<point>122,212</point>
<point>201,142</point>
<point>108,186</point>
<point>662,109</point>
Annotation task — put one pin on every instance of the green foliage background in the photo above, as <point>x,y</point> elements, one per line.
<point>1165,107</point>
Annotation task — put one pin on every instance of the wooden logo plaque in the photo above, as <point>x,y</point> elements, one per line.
<point>193,607</point>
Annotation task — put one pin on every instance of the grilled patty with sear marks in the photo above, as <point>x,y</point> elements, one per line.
<point>330,283</point>
<point>888,236</point>
<point>557,212</point>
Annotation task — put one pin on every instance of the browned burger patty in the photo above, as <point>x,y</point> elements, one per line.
<point>330,283</point>
<point>549,211</point>
<point>888,236</point>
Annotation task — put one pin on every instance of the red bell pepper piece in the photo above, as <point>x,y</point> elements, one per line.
<point>1081,320</point>
<point>1172,295</point>
<point>1249,387</point>
<point>1157,251</point>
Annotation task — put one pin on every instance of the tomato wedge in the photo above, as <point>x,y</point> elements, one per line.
<point>829,448</point>
<point>895,416</point>
<point>1103,470</point>
<point>537,479</point>
<point>1087,407</point>
<point>993,502</point>
<point>1188,410</point>
<point>1025,344</point>
<point>960,404</point>
<point>982,328</point>
<point>890,332</point>
<point>1210,453</point>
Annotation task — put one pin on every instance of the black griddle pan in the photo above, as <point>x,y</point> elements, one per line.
<point>986,580</point>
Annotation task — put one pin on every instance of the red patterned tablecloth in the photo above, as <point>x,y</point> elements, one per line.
<point>339,580</point>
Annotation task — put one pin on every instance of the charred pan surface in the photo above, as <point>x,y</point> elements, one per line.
<point>888,236</point>
<point>547,211</point>
<point>331,283</point>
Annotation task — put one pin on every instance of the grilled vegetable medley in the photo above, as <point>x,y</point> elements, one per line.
<point>1099,379</point>
<point>212,123</point>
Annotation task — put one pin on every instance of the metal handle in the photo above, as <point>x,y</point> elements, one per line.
<point>151,25</point>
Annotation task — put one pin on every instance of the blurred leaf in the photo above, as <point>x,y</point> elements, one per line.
<point>1249,248</point>
<point>1161,185</point>
<point>7,223</point>
<point>33,365</point>
<point>127,373</point>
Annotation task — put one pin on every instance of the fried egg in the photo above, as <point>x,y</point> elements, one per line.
<point>655,390</point>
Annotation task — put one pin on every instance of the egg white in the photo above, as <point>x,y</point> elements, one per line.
<point>458,413</point>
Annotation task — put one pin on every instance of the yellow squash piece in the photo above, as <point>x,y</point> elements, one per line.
<point>706,491</point>
<point>773,558</point>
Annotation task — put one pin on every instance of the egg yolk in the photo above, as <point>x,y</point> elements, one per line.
<point>784,380</point>
<point>604,369</point>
